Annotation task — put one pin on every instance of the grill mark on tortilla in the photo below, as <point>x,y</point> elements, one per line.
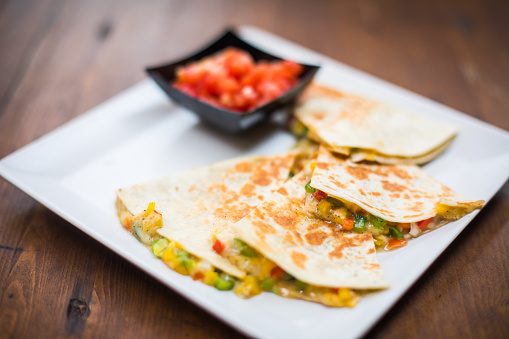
<point>400,173</point>
<point>248,190</point>
<point>288,238</point>
<point>322,165</point>
<point>393,195</point>
<point>416,207</point>
<point>244,167</point>
<point>282,190</point>
<point>316,238</point>
<point>371,251</point>
<point>376,194</point>
<point>363,172</point>
<point>299,259</point>
<point>264,227</point>
<point>393,187</point>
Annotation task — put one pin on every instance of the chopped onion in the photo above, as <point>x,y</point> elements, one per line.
<point>414,230</point>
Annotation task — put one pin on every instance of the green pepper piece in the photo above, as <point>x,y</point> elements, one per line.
<point>377,222</point>
<point>158,246</point>
<point>185,259</point>
<point>223,283</point>
<point>249,252</point>
<point>244,248</point>
<point>267,284</point>
<point>395,233</point>
<point>287,277</point>
<point>359,223</point>
<point>301,286</point>
<point>310,189</point>
<point>335,202</point>
<point>291,174</point>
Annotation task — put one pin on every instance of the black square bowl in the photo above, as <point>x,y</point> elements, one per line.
<point>227,120</point>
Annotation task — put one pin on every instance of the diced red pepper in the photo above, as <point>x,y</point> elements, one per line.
<point>424,223</point>
<point>218,246</point>
<point>348,224</point>
<point>396,243</point>
<point>319,195</point>
<point>198,276</point>
<point>277,272</point>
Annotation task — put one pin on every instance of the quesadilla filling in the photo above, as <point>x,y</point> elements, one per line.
<point>144,227</point>
<point>387,235</point>
<point>265,275</point>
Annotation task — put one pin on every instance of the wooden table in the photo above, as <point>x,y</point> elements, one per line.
<point>60,58</point>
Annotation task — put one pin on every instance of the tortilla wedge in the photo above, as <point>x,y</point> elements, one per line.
<point>368,130</point>
<point>390,201</point>
<point>301,257</point>
<point>191,206</point>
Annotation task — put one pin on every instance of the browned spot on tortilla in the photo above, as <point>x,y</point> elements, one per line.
<point>259,214</point>
<point>260,234</point>
<point>263,226</point>
<point>344,242</point>
<point>284,216</point>
<point>361,172</point>
<point>399,172</point>
<point>244,167</point>
<point>322,165</point>
<point>299,259</point>
<point>392,186</point>
<point>376,194</point>
<point>282,190</point>
<point>218,187</point>
<point>416,207</point>
<point>337,183</point>
<point>248,190</point>
<point>371,251</point>
<point>176,188</point>
<point>318,115</point>
<point>395,195</point>
<point>406,196</point>
<point>261,197</point>
<point>316,238</point>
<point>191,188</point>
<point>361,192</point>
<point>288,239</point>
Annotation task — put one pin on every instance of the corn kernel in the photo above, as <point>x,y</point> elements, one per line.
<point>253,285</point>
<point>210,276</point>
<point>331,299</point>
<point>150,208</point>
<point>312,166</point>
<point>324,207</point>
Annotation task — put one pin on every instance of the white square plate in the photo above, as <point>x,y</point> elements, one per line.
<point>139,134</point>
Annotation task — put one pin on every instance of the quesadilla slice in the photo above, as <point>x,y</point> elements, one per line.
<point>176,215</point>
<point>286,252</point>
<point>392,202</point>
<point>364,129</point>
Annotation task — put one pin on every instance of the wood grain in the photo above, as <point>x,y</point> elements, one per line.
<point>60,58</point>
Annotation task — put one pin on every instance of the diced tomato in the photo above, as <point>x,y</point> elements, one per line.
<point>277,272</point>
<point>232,80</point>
<point>348,224</point>
<point>396,243</point>
<point>319,195</point>
<point>424,223</point>
<point>218,246</point>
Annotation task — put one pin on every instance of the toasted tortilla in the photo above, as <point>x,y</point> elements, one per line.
<point>309,249</point>
<point>368,130</point>
<point>397,193</point>
<point>197,203</point>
